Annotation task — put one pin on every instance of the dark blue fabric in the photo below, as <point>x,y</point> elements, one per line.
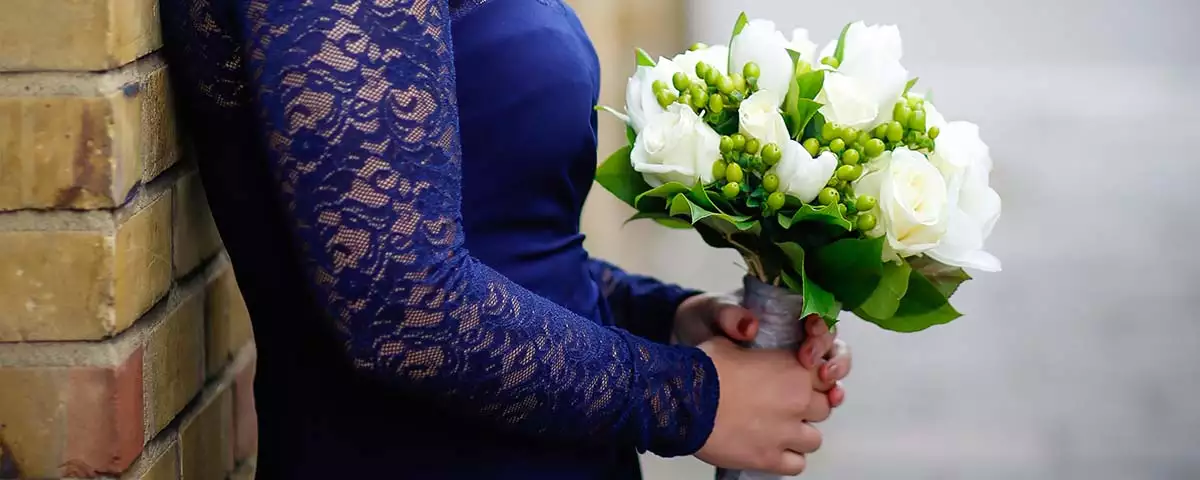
<point>399,186</point>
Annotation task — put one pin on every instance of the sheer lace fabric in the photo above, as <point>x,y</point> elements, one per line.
<point>357,100</point>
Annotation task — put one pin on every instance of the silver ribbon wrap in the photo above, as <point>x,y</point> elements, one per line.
<point>779,327</point>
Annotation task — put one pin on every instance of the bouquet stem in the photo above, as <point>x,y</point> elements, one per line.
<point>780,327</point>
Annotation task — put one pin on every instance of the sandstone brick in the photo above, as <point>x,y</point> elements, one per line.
<point>206,438</point>
<point>245,414</point>
<point>196,237</point>
<point>227,320</point>
<point>174,364</point>
<point>83,142</point>
<point>159,461</point>
<point>86,284</point>
<point>76,34</point>
<point>71,422</point>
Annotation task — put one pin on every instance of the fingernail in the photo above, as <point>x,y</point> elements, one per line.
<point>807,352</point>
<point>817,328</point>
<point>813,355</point>
<point>831,371</point>
<point>743,325</point>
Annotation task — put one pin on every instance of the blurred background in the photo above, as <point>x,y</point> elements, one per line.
<point>1082,359</point>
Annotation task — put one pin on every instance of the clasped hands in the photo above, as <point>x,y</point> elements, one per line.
<point>770,399</point>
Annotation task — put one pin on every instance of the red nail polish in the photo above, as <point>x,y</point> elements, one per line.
<point>743,325</point>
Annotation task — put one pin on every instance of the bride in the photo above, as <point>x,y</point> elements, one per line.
<point>399,185</point>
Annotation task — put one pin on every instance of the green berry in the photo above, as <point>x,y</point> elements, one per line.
<point>915,102</point>
<point>849,173</point>
<point>934,131</point>
<point>843,209</point>
<point>831,61</point>
<point>718,170</point>
<point>702,69</point>
<point>712,76</point>
<point>851,157</point>
<point>776,200</point>
<point>821,151</point>
<point>771,153</point>
<point>863,138</point>
<point>659,86</point>
<point>864,203</point>
<point>685,99</point>
<point>733,173</point>
<point>880,131</point>
<point>731,190</point>
<point>739,142</point>
<point>666,98</point>
<point>716,103</point>
<point>726,144</point>
<point>828,132</point>
<point>753,146</point>
<point>837,145</point>
<point>902,113</point>
<point>725,85</point>
<point>701,100</point>
<point>833,182</point>
<point>739,82</point>
<point>771,182</point>
<point>681,81</point>
<point>866,222</point>
<point>697,46</point>
<point>874,148</point>
<point>812,145</point>
<point>917,121</point>
<point>895,131</point>
<point>828,196</point>
<point>751,70</point>
<point>849,134</point>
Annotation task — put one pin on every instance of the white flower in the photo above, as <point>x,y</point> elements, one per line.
<point>805,47</point>
<point>761,43</point>
<point>676,146</point>
<point>974,207</point>
<point>759,118</point>
<point>640,101</point>
<point>913,207</point>
<point>801,175</point>
<point>870,79</point>
<point>716,56</point>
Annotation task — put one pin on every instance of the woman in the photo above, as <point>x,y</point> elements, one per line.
<point>402,209</point>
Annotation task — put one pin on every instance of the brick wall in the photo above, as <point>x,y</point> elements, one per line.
<point>125,348</point>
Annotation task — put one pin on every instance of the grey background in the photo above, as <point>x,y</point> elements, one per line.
<point>1082,359</point>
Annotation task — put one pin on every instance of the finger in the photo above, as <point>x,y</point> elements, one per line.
<point>818,409</point>
<point>815,326</point>
<point>813,349</point>
<point>805,440</point>
<point>790,463</point>
<point>839,363</point>
<point>737,323</point>
<point>837,396</point>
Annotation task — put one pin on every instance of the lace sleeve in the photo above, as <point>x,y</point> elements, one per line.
<point>643,305</point>
<point>358,98</point>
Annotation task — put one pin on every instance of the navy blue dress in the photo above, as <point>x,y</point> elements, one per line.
<point>399,185</point>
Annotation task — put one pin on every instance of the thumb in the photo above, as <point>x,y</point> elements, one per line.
<point>737,323</point>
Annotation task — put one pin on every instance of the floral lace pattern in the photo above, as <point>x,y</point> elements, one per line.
<point>357,103</point>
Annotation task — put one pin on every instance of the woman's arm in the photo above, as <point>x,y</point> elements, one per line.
<point>359,103</point>
<point>642,305</point>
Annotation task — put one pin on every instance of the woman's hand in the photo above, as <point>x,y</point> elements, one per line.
<point>762,420</point>
<point>702,317</point>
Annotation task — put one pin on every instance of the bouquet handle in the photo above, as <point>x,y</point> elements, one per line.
<point>780,327</point>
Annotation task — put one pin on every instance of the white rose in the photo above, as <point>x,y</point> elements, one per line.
<point>806,48</point>
<point>640,102</point>
<point>716,56</point>
<point>801,175</point>
<point>974,207</point>
<point>912,208</point>
<point>759,118</point>
<point>870,79</point>
<point>761,43</point>
<point>676,146</point>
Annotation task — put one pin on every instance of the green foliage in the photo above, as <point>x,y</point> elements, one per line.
<point>644,59</point>
<point>840,51</point>
<point>617,176</point>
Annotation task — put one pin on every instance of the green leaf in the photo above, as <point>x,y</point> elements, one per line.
<point>682,205</point>
<point>699,195</point>
<point>617,175</point>
<point>911,83</point>
<point>630,134</point>
<point>850,268</point>
<point>663,219</point>
<point>840,52</point>
<point>923,306</point>
<point>798,106</point>
<point>727,127</point>
<point>813,128</point>
<point>884,301</point>
<point>828,214</point>
<point>644,202</point>
<point>816,299</point>
<point>945,278</point>
<point>810,83</point>
<point>742,20</point>
<point>644,59</point>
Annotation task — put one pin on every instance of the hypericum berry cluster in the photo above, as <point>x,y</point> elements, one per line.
<point>714,95</point>
<point>743,168</point>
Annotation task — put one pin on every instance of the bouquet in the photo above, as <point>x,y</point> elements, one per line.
<point>841,187</point>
